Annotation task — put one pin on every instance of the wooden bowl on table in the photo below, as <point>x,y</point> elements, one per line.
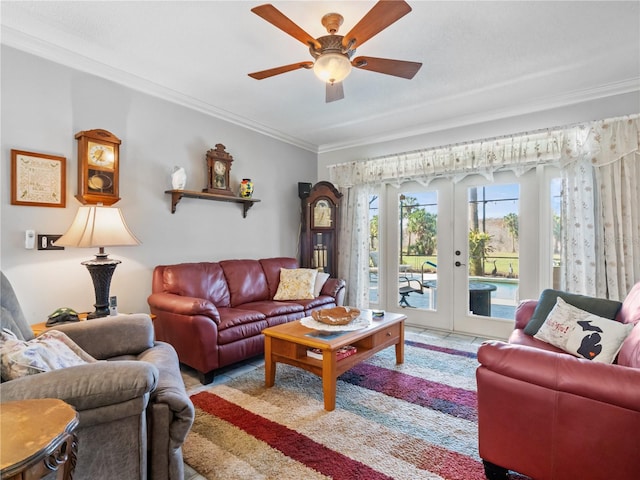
<point>335,315</point>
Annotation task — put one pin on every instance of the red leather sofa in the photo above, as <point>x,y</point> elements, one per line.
<point>213,313</point>
<point>549,415</point>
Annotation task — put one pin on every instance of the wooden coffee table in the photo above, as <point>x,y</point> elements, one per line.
<point>288,343</point>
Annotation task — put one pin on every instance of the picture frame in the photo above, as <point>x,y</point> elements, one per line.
<point>38,179</point>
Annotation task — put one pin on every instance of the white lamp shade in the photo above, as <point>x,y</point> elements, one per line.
<point>332,67</point>
<point>98,226</point>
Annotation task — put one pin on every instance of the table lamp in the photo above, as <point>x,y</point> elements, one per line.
<point>99,226</point>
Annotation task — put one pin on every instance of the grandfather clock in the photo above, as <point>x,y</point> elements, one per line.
<point>320,225</point>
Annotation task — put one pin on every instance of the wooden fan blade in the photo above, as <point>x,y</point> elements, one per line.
<point>278,70</point>
<point>397,68</point>
<point>335,91</point>
<point>383,14</point>
<point>278,19</point>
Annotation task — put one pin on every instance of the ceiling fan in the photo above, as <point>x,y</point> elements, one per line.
<point>332,53</point>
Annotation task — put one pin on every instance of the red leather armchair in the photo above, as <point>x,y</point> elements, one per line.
<point>549,415</point>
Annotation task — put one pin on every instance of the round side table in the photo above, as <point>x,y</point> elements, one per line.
<point>36,438</point>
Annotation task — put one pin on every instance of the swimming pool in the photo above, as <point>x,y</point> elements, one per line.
<point>504,298</point>
<point>507,289</point>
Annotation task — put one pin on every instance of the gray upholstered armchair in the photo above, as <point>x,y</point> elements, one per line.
<point>133,408</point>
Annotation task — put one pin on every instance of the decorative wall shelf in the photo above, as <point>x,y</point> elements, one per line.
<point>176,196</point>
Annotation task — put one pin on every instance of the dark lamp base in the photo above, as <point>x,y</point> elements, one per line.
<point>101,270</point>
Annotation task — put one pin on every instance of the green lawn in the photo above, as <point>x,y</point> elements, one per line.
<point>505,262</point>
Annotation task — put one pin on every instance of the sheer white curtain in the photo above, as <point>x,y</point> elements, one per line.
<point>600,168</point>
<point>353,249</point>
<point>601,238</point>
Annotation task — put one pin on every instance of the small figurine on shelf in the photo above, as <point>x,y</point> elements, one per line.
<point>246,188</point>
<point>178,178</point>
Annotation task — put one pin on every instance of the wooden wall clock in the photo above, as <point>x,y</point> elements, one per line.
<point>320,224</point>
<point>218,169</point>
<point>98,167</point>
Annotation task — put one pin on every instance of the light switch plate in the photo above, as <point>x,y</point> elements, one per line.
<point>29,239</point>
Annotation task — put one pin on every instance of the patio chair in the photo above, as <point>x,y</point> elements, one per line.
<point>373,265</point>
<point>407,287</point>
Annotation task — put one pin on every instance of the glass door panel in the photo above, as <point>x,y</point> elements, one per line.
<point>486,279</point>
<point>418,248</point>
<point>374,249</point>
<point>556,231</point>
<point>417,265</point>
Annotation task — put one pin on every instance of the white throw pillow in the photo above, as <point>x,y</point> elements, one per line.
<point>583,334</point>
<point>296,284</point>
<point>321,279</point>
<point>50,351</point>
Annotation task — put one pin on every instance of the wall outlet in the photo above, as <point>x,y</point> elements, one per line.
<point>45,242</point>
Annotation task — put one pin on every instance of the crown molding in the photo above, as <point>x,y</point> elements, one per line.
<point>49,51</point>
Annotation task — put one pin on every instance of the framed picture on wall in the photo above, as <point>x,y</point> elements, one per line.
<point>38,180</point>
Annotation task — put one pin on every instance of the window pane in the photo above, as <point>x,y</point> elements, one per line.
<point>556,229</point>
<point>493,248</point>
<point>374,216</point>
<point>418,255</point>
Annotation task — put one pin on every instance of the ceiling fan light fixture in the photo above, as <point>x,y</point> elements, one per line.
<point>332,67</point>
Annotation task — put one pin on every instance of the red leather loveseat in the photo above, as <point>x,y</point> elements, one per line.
<point>213,313</point>
<point>549,415</point>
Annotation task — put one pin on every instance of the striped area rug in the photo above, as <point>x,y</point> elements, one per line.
<point>412,421</point>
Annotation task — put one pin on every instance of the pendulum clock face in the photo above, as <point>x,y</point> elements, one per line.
<point>323,212</point>
<point>219,168</point>
<point>98,167</point>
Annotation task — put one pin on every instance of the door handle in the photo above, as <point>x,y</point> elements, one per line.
<point>458,264</point>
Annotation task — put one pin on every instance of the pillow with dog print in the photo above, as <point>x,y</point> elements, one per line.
<point>583,334</point>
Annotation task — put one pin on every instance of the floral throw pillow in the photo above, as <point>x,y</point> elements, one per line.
<point>296,284</point>
<point>583,334</point>
<point>50,351</point>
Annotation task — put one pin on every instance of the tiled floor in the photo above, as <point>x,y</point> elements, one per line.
<point>191,474</point>
<point>193,385</point>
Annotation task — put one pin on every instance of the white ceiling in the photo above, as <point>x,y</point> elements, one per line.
<point>481,60</point>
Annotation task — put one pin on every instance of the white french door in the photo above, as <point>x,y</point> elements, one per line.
<point>464,250</point>
<point>486,264</point>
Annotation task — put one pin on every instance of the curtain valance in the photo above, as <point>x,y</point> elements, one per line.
<point>603,142</point>
<point>609,139</point>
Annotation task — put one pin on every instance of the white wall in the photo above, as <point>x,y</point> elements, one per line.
<point>45,104</point>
